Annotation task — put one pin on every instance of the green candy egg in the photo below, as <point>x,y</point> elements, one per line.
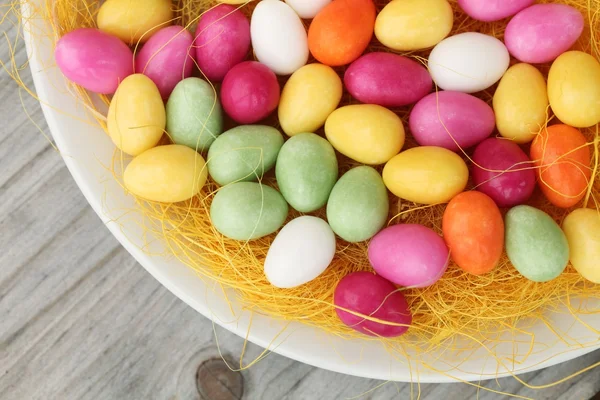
<point>535,244</point>
<point>244,153</point>
<point>194,114</point>
<point>248,210</point>
<point>358,206</point>
<point>306,171</point>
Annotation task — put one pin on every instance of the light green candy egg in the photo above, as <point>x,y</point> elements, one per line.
<point>244,153</point>
<point>248,210</point>
<point>194,114</point>
<point>358,206</point>
<point>306,171</point>
<point>535,244</point>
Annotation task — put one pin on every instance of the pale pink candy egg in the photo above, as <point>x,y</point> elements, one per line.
<point>409,255</point>
<point>166,58</point>
<point>94,60</point>
<point>493,10</point>
<point>371,295</point>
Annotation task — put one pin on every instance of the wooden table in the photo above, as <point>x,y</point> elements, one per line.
<point>80,319</point>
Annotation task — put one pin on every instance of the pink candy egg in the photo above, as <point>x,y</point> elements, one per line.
<point>94,60</point>
<point>451,120</point>
<point>371,295</point>
<point>493,10</point>
<point>507,189</point>
<point>166,59</point>
<point>409,255</point>
<point>542,32</point>
<point>223,40</point>
<point>387,79</point>
<point>250,92</point>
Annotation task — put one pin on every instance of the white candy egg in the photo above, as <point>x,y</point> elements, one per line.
<point>302,250</point>
<point>278,37</point>
<point>468,62</point>
<point>307,9</point>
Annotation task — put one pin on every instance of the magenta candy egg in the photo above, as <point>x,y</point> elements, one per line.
<point>371,295</point>
<point>387,79</point>
<point>452,120</point>
<point>542,32</point>
<point>409,255</point>
<point>507,189</point>
<point>166,59</point>
<point>222,41</point>
<point>250,92</point>
<point>493,10</point>
<point>93,59</point>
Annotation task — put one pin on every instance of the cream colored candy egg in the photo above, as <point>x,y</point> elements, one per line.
<point>307,9</point>
<point>309,96</point>
<point>136,116</point>
<point>582,228</point>
<point>166,174</point>
<point>521,103</point>
<point>414,24</point>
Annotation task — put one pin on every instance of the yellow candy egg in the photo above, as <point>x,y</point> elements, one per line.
<point>426,174</point>
<point>520,103</point>
<point>136,116</point>
<point>582,228</point>
<point>134,20</point>
<point>366,133</point>
<point>414,24</point>
<point>574,89</point>
<point>309,96</point>
<point>166,174</point>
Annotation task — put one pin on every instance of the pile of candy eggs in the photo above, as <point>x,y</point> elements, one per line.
<point>159,90</point>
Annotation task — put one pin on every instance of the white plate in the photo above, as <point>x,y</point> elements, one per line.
<point>86,150</point>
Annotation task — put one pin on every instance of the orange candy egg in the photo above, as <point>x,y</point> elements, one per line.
<point>341,31</point>
<point>563,162</point>
<point>474,231</point>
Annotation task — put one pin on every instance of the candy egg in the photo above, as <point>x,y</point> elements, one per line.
<point>244,153</point>
<point>406,25</point>
<point>306,171</point>
<point>370,295</point>
<point>307,9</point>
<point>474,231</point>
<point>503,171</point>
<point>563,159</point>
<point>166,59</point>
<point>582,229</point>
<point>194,115</point>
<point>493,10</point>
<point>574,89</point>
<point>222,41</point>
<point>136,116</point>
<point>358,206</point>
<point>542,32</point>
<point>308,97</point>
<point>250,92</point>
<point>535,244</point>
<point>312,242</point>
<point>521,103</point>
<point>134,20</point>
<point>426,174</point>
<point>93,59</point>
<point>278,37</point>
<point>247,211</point>
<point>166,174</point>
<point>341,31</point>
<point>387,79</point>
<point>468,62</point>
<point>409,255</point>
<point>367,133</point>
<point>452,120</point>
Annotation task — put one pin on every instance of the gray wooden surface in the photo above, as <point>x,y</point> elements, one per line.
<point>80,319</point>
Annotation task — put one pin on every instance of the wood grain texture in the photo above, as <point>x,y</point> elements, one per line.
<point>80,319</point>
